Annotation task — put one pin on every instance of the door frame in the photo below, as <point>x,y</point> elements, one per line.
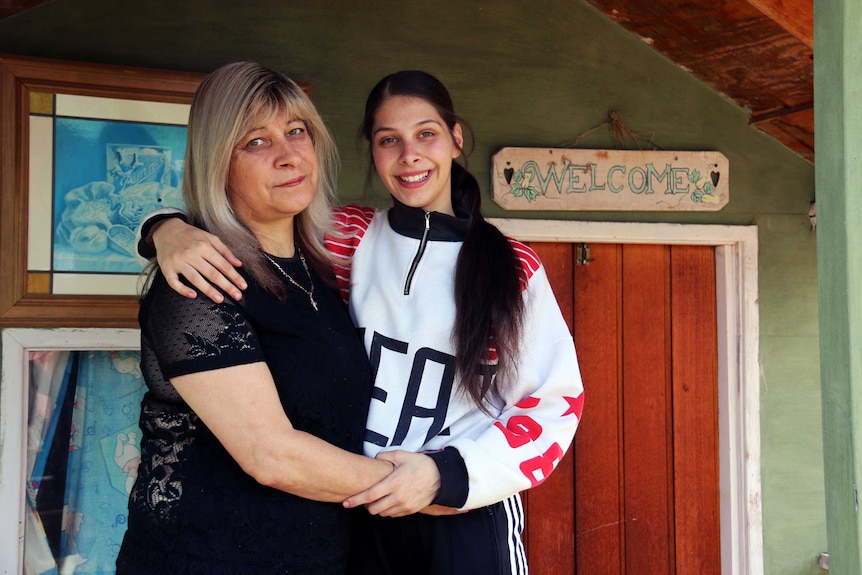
<point>738,327</point>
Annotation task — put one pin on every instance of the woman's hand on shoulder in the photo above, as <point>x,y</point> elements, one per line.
<point>200,257</point>
<point>411,487</point>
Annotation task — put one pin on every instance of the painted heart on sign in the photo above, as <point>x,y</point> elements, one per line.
<point>714,175</point>
<point>508,172</point>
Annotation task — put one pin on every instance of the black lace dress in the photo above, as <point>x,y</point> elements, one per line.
<point>192,509</point>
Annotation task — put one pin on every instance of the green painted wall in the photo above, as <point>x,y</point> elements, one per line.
<point>536,73</point>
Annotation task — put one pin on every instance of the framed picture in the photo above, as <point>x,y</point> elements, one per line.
<point>87,150</point>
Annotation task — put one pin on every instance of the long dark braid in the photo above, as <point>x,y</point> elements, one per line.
<point>488,301</point>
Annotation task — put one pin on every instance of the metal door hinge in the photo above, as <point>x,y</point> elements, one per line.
<point>583,255</point>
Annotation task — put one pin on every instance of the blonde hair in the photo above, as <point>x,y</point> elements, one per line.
<point>226,105</point>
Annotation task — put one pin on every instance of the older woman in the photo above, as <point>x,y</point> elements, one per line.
<point>255,410</point>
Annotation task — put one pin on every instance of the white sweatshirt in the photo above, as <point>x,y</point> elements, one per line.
<point>400,291</point>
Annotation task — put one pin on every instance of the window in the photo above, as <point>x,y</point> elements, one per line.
<point>70,403</point>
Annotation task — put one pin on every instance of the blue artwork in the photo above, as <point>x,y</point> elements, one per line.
<point>107,176</point>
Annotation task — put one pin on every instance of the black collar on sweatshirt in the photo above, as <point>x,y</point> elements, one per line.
<point>410,222</point>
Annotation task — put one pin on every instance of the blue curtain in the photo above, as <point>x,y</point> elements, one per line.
<point>85,443</point>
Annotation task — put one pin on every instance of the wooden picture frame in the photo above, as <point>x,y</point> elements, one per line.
<point>24,301</point>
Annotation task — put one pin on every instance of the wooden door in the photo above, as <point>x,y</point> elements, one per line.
<point>639,493</point>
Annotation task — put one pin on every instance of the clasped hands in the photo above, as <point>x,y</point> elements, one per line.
<point>409,488</point>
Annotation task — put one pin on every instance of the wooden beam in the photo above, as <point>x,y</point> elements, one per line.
<point>795,16</point>
<point>9,8</point>
<point>794,129</point>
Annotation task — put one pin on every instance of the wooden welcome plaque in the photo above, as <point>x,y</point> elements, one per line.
<point>609,180</point>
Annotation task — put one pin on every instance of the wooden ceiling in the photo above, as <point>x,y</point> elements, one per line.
<point>758,53</point>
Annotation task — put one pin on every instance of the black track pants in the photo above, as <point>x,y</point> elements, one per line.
<point>484,541</point>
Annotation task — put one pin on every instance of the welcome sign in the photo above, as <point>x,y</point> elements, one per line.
<point>609,180</point>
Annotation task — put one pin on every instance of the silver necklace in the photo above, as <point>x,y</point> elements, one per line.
<point>309,293</point>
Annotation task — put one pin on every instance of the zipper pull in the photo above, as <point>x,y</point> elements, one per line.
<point>418,255</point>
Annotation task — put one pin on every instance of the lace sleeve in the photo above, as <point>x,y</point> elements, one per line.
<point>180,336</point>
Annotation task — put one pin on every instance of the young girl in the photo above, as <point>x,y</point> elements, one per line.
<point>473,363</point>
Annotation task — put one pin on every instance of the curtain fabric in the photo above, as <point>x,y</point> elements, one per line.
<point>83,443</point>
